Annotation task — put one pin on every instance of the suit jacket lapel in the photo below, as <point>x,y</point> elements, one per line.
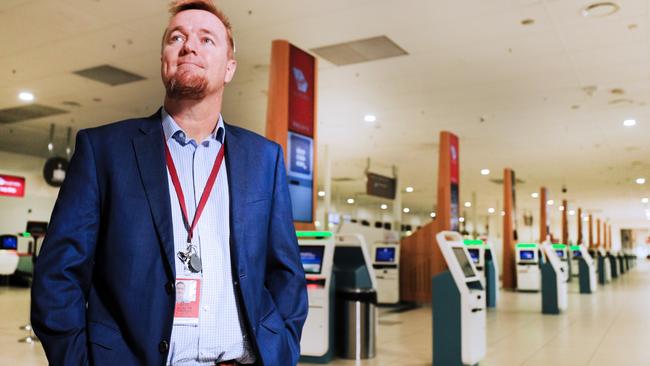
<point>236,164</point>
<point>150,154</point>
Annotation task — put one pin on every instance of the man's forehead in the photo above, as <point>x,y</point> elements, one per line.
<point>196,19</point>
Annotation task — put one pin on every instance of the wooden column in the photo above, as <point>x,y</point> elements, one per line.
<point>279,116</point>
<point>609,236</point>
<point>565,223</point>
<point>591,231</point>
<point>598,238</point>
<point>509,265</point>
<point>579,238</point>
<point>543,215</point>
<point>448,200</point>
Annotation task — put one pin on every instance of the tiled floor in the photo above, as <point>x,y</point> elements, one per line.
<point>611,327</point>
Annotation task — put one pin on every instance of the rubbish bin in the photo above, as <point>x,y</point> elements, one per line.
<point>357,318</point>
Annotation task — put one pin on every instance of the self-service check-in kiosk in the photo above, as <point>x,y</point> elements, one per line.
<point>563,254</point>
<point>621,262</point>
<point>385,262</point>
<point>528,267</point>
<point>554,282</point>
<point>316,254</point>
<point>587,269</point>
<point>604,267</point>
<point>484,258</point>
<point>458,305</point>
<point>575,260</point>
<point>611,257</point>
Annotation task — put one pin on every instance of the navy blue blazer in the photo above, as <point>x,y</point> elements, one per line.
<point>103,290</point>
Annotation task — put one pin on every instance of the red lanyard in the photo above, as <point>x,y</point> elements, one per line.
<point>204,196</point>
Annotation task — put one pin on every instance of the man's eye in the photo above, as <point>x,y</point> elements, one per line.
<point>208,40</point>
<point>176,38</point>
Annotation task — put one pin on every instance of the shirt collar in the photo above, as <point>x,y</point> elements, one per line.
<point>171,129</point>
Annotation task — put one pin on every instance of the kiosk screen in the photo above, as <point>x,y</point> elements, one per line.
<point>474,253</point>
<point>577,253</point>
<point>560,253</point>
<point>385,254</point>
<point>527,255</point>
<point>312,258</point>
<point>465,264</point>
<point>8,242</point>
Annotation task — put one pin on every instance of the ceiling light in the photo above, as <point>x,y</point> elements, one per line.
<point>491,210</point>
<point>586,219</point>
<point>26,96</point>
<point>384,206</point>
<point>468,204</point>
<point>369,118</point>
<point>629,123</point>
<point>409,233</point>
<point>50,146</point>
<point>572,212</point>
<point>461,219</point>
<point>350,200</point>
<point>640,181</point>
<point>644,200</point>
<point>534,195</point>
<point>503,213</point>
<point>561,208</point>
<point>433,215</point>
<point>321,193</point>
<point>317,223</point>
<point>485,171</point>
<point>409,189</point>
<point>406,210</point>
<point>600,9</point>
<point>550,202</point>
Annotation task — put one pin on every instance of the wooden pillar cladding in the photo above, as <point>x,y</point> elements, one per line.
<point>565,223</point>
<point>543,215</point>
<point>579,239</point>
<point>598,238</point>
<point>416,252</point>
<point>591,231</point>
<point>609,236</point>
<point>278,112</point>
<point>509,267</point>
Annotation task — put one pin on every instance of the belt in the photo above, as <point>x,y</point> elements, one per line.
<point>227,363</point>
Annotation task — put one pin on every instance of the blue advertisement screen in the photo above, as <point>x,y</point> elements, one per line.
<point>312,258</point>
<point>300,155</point>
<point>385,255</point>
<point>9,242</point>
<point>474,253</point>
<point>527,255</point>
<point>560,253</point>
<point>300,178</point>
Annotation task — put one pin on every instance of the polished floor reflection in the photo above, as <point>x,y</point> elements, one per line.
<point>611,327</point>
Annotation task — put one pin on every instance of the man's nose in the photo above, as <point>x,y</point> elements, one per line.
<point>189,46</point>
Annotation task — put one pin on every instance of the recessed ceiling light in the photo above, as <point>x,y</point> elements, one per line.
<point>409,233</point>
<point>600,9</point>
<point>503,213</point>
<point>485,171</point>
<point>461,219</point>
<point>321,193</point>
<point>550,202</point>
<point>629,123</point>
<point>561,208</point>
<point>586,218</point>
<point>640,181</point>
<point>644,200</point>
<point>26,96</point>
<point>406,210</point>
<point>534,195</point>
<point>350,200</point>
<point>468,204</point>
<point>409,189</point>
<point>317,223</point>
<point>491,210</point>
<point>384,206</point>
<point>433,215</point>
<point>370,118</point>
<point>572,212</point>
<point>50,146</point>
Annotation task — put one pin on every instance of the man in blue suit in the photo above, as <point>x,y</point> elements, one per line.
<point>179,196</point>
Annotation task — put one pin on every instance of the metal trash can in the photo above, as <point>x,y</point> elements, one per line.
<point>356,323</point>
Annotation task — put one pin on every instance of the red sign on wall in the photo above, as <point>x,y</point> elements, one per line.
<point>454,162</point>
<point>12,186</point>
<point>301,92</point>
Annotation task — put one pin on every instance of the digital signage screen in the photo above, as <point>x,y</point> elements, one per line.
<point>312,259</point>
<point>385,254</point>
<point>527,255</point>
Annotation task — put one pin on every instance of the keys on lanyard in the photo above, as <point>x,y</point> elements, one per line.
<point>190,256</point>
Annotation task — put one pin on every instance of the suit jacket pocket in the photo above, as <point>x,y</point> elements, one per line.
<point>273,322</point>
<point>103,335</point>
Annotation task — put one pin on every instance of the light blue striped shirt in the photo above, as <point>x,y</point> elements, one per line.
<point>219,335</point>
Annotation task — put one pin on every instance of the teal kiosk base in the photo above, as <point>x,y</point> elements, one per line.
<point>550,299</point>
<point>491,283</point>
<point>621,264</point>
<point>612,261</point>
<point>583,275</point>
<point>602,277</point>
<point>446,321</point>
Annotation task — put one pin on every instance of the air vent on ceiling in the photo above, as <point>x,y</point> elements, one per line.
<point>110,75</point>
<point>31,111</point>
<point>345,179</point>
<point>500,181</point>
<point>363,50</point>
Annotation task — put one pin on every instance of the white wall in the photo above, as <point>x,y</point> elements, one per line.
<point>38,202</point>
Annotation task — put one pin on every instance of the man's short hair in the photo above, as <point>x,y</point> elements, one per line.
<point>178,6</point>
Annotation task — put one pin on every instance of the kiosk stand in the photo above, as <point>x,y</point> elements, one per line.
<point>563,253</point>
<point>458,305</point>
<point>554,286</point>
<point>385,262</point>
<point>316,254</point>
<point>528,267</point>
<point>612,262</point>
<point>487,268</point>
<point>587,269</point>
<point>604,267</point>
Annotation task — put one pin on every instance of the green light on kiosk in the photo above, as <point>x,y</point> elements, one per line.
<point>26,234</point>
<point>575,247</point>
<point>473,242</point>
<point>559,246</point>
<point>313,234</point>
<point>527,245</point>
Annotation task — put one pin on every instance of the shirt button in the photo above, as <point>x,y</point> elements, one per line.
<point>163,347</point>
<point>205,308</point>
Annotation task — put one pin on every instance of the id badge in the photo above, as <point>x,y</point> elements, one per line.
<point>188,301</point>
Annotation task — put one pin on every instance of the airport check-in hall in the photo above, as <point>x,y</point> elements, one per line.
<point>449,182</point>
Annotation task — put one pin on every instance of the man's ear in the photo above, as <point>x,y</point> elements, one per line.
<point>231,66</point>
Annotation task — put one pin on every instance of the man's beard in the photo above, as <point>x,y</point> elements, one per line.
<point>184,86</point>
